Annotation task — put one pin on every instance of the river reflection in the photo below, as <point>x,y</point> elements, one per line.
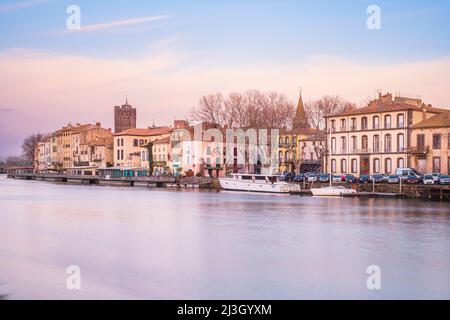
<point>163,244</point>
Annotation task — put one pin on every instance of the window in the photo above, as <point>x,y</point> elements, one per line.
<point>376,122</point>
<point>436,141</point>
<point>388,165</point>
<point>376,165</point>
<point>354,165</point>
<point>354,144</point>
<point>364,123</point>
<point>287,156</point>
<point>448,144</point>
<point>364,142</point>
<point>387,143</point>
<point>343,125</point>
<point>333,145</point>
<point>376,143</point>
<point>353,125</point>
<point>118,142</point>
<point>142,155</point>
<point>387,122</point>
<point>343,145</point>
<point>280,155</point>
<point>333,165</point>
<point>420,141</point>
<point>400,121</point>
<point>400,142</point>
<point>286,140</point>
<point>333,126</point>
<point>135,143</point>
<point>400,163</point>
<point>121,155</point>
<point>118,154</point>
<point>343,166</point>
<point>436,165</point>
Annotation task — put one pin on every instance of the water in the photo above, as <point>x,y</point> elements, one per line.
<point>136,243</point>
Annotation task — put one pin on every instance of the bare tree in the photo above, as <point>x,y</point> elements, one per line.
<point>249,109</point>
<point>29,146</point>
<point>325,106</point>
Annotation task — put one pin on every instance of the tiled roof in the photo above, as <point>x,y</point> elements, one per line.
<point>386,107</point>
<point>437,121</point>
<point>162,141</point>
<point>144,132</point>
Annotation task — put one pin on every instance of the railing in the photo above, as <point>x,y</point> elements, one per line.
<point>419,150</point>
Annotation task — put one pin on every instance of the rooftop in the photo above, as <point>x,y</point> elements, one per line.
<point>144,132</point>
<point>437,121</point>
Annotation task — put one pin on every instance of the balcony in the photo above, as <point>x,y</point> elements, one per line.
<point>363,151</point>
<point>353,128</point>
<point>419,150</point>
<point>343,129</point>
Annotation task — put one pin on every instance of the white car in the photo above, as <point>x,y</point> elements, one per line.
<point>428,179</point>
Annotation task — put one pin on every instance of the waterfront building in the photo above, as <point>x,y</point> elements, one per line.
<point>431,140</point>
<point>377,138</point>
<point>301,148</point>
<point>130,145</point>
<point>161,155</point>
<point>124,117</point>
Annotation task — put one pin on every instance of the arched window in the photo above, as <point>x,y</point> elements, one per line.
<point>387,143</point>
<point>343,125</point>
<point>333,126</point>
<point>376,122</point>
<point>354,166</point>
<point>400,142</point>
<point>343,166</point>
<point>376,165</point>
<point>376,143</point>
<point>364,142</point>
<point>333,165</point>
<point>286,140</point>
<point>353,125</point>
<point>400,163</point>
<point>388,165</point>
<point>280,155</point>
<point>387,122</point>
<point>333,145</point>
<point>400,120</point>
<point>364,123</point>
<point>287,156</point>
<point>343,145</point>
<point>354,145</point>
<point>135,143</point>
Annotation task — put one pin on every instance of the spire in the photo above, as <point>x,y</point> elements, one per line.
<point>126,99</point>
<point>300,121</point>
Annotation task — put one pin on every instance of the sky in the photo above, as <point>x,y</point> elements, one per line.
<point>164,55</point>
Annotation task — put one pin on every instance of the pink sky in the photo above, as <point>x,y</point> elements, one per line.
<point>42,91</point>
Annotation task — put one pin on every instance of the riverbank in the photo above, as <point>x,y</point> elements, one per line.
<point>415,191</point>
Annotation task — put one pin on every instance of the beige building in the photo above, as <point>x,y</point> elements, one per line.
<point>377,138</point>
<point>130,145</point>
<point>431,139</point>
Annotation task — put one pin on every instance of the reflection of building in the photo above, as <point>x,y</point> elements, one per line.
<point>124,117</point>
<point>431,141</point>
<point>300,149</point>
<point>377,138</point>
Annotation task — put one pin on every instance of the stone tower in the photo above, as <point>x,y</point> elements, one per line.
<point>124,117</point>
<point>300,120</point>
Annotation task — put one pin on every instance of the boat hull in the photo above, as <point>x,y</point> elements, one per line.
<point>331,192</point>
<point>263,187</point>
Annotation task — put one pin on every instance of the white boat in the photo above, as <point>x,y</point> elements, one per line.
<point>257,183</point>
<point>332,191</point>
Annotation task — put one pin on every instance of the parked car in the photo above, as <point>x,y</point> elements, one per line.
<point>444,179</point>
<point>337,178</point>
<point>364,179</point>
<point>412,179</point>
<point>404,173</point>
<point>377,178</point>
<point>289,176</point>
<point>428,179</point>
<point>349,178</point>
<point>436,177</point>
<point>393,179</point>
<point>324,177</point>
<point>385,178</point>
<point>299,177</point>
<point>312,177</point>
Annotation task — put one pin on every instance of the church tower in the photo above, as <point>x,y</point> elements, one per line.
<point>124,117</point>
<point>300,120</point>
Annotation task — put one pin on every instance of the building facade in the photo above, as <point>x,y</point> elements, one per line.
<point>376,139</point>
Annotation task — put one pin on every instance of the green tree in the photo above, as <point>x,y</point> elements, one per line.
<point>150,157</point>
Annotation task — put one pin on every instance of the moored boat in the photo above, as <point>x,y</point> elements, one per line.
<point>257,183</point>
<point>332,191</point>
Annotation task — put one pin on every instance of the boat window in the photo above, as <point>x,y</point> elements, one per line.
<point>246,177</point>
<point>260,178</point>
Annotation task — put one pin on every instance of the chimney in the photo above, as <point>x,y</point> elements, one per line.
<point>98,124</point>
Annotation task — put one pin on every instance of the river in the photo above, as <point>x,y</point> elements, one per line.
<point>137,243</point>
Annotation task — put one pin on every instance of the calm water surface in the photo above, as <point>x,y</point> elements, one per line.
<point>162,244</point>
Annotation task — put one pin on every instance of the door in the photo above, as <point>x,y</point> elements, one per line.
<point>365,166</point>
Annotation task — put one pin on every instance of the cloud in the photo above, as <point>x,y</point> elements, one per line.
<point>19,5</point>
<point>114,24</point>
<point>51,89</point>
